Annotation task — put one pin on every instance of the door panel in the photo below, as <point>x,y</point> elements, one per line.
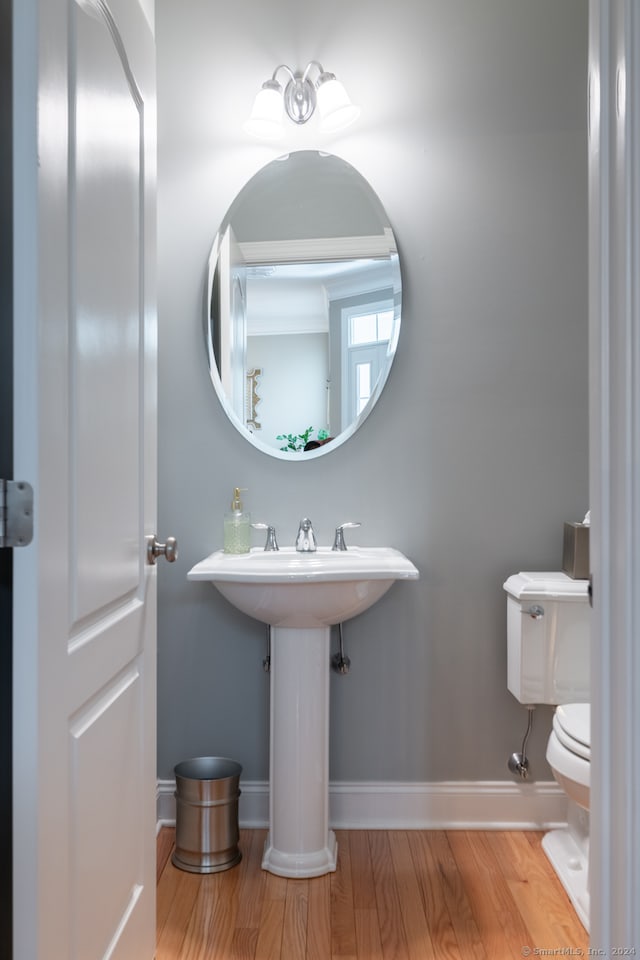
<point>106,862</point>
<point>106,238</point>
<point>85,598</point>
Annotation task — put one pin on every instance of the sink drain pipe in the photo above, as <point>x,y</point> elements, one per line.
<point>518,763</point>
<point>266,663</point>
<point>340,662</point>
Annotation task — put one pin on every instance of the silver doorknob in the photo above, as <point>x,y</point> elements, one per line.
<point>168,550</point>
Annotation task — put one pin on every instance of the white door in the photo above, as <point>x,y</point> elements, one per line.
<point>84,598</point>
<point>614,307</point>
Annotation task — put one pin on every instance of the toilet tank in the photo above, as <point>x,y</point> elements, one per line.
<point>548,638</point>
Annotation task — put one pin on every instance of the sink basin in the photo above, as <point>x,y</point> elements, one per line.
<point>300,596</point>
<point>291,589</point>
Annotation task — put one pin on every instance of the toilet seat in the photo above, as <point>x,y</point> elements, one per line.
<point>569,750</point>
<point>571,725</point>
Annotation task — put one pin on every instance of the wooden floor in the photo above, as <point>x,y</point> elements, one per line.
<point>396,895</point>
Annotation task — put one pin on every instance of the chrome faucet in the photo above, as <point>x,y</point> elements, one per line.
<point>306,539</point>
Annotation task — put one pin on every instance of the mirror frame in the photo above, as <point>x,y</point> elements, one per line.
<point>209,333</point>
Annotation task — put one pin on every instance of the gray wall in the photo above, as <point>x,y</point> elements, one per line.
<point>473,135</point>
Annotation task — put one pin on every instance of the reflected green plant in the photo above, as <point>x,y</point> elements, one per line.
<point>298,441</point>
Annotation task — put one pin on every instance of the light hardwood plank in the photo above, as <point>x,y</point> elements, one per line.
<point>364,891</point>
<point>269,944</point>
<point>164,848</point>
<point>230,889</point>
<point>396,895</point>
<point>275,887</point>
<point>538,893</point>
<point>504,906</point>
<point>392,933</point>
<point>319,923</point>
<point>254,880</point>
<point>294,932</point>
<point>414,918</point>
<point>368,940</point>
<point>487,893</point>
<point>443,936</point>
<point>176,897</point>
<point>197,932</point>
<point>343,929</point>
<point>243,944</point>
<point>464,925</point>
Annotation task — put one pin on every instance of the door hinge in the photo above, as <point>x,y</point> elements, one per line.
<point>16,513</point>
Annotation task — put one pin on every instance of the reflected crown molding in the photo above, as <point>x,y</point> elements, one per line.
<point>317,249</point>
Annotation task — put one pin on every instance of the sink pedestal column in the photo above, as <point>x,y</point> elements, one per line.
<point>299,843</point>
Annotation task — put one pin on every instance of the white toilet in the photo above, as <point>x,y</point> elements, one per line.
<point>548,656</point>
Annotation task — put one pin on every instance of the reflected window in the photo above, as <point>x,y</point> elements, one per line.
<point>369,329</point>
<point>363,385</point>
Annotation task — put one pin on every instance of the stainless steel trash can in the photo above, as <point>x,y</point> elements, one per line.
<point>207,834</point>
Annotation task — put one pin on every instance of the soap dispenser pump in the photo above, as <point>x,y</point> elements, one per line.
<point>237,526</point>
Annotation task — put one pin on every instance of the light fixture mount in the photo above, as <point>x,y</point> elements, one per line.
<point>299,100</point>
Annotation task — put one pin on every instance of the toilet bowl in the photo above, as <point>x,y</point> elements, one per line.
<point>569,756</point>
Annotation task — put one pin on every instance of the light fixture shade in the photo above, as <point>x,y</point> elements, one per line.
<point>336,109</point>
<point>267,117</point>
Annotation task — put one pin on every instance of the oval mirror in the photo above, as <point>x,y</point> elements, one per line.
<point>303,305</point>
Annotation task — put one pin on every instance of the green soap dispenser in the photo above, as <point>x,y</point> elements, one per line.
<point>237,527</point>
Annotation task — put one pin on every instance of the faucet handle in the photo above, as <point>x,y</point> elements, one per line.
<point>338,543</point>
<point>272,543</point>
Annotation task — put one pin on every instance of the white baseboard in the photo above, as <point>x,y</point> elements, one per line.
<point>453,805</point>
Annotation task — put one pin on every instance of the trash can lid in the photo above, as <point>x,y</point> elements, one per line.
<point>207,768</point>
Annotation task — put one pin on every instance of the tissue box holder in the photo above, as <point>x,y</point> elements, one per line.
<point>575,551</point>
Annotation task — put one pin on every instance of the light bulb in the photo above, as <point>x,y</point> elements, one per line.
<point>336,109</point>
<point>267,115</point>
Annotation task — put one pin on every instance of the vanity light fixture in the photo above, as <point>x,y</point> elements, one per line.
<point>298,99</point>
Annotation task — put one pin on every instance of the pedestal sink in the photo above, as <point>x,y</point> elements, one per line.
<point>300,595</point>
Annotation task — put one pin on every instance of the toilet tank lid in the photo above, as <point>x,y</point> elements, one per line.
<point>546,584</point>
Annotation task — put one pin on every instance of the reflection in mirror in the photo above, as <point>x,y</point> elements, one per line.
<point>252,399</point>
<point>303,305</point>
